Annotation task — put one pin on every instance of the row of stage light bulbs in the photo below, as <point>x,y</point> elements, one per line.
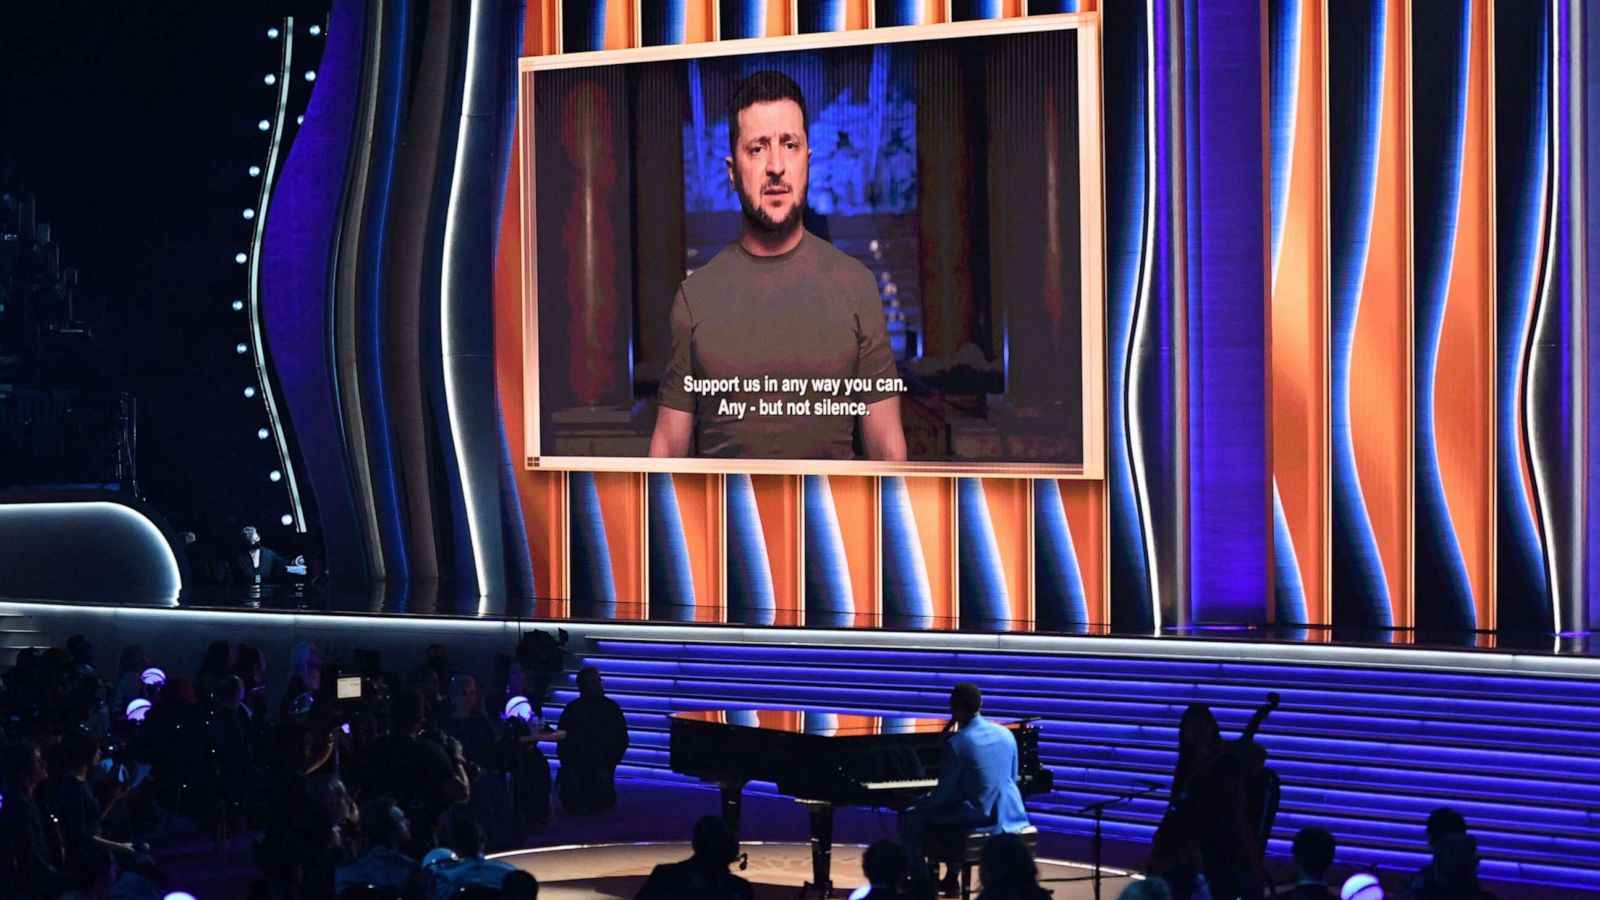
<point>242,348</point>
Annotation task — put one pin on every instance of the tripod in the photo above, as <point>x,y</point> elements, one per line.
<point>1099,810</point>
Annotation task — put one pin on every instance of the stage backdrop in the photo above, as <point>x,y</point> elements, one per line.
<point>1347,379</point>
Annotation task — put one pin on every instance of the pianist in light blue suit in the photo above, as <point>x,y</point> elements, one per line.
<point>977,790</point>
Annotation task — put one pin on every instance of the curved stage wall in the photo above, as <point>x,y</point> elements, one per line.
<point>1368,739</point>
<point>1347,372</point>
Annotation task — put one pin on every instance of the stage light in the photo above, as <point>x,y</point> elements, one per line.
<point>240,258</point>
<point>137,710</point>
<point>311,74</point>
<point>238,306</point>
<point>287,519</point>
<point>271,79</point>
<point>264,125</point>
<point>255,171</point>
<point>518,707</point>
<point>249,392</point>
<point>1362,886</point>
<point>299,120</point>
<point>272,33</point>
<point>275,476</point>
<point>860,893</point>
<point>179,895</point>
<point>263,434</point>
<point>345,728</point>
<point>241,348</point>
<point>152,677</point>
<point>249,214</point>
<point>316,30</point>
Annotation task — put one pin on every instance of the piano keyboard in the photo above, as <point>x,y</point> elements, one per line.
<point>910,784</point>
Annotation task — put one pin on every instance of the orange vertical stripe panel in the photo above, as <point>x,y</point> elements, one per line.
<point>1085,506</point>
<point>1300,330</point>
<point>933,508</point>
<point>855,500</point>
<point>778,22</point>
<point>778,502</point>
<point>1463,393</point>
<point>697,21</point>
<point>619,25</point>
<point>855,14</point>
<point>933,12</point>
<point>700,506</point>
<point>1380,362</point>
<point>1012,518</point>
<point>539,31</point>
<point>622,509</point>
<point>1011,9</point>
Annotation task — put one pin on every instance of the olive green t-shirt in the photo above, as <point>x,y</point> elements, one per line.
<point>748,329</point>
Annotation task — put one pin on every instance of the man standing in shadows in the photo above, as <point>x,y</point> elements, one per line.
<point>591,737</point>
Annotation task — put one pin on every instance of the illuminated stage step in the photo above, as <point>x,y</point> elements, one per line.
<point>1365,752</point>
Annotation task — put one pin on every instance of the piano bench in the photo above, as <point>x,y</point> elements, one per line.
<point>962,851</point>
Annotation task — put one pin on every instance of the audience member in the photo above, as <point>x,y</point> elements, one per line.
<point>217,663</point>
<point>1007,871</point>
<point>467,723</point>
<point>77,810</point>
<point>519,885</point>
<point>704,875</point>
<point>1453,874</point>
<point>1313,856</point>
<point>251,667</point>
<point>886,866</point>
<point>1148,889</point>
<point>423,775</point>
<point>1442,823</point>
<point>465,838</point>
<point>382,864</point>
<point>130,685</point>
<point>1175,858</point>
<point>305,679</point>
<point>595,736</point>
<point>30,864</point>
<point>82,653</point>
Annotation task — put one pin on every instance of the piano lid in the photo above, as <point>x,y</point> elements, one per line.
<point>822,724</point>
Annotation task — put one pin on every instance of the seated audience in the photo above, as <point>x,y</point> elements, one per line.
<point>595,737</point>
<point>519,885</point>
<point>1442,823</point>
<point>130,684</point>
<point>704,875</point>
<point>886,866</point>
<point>383,865</point>
<point>1313,856</point>
<point>82,653</point>
<point>230,731</point>
<point>305,679</point>
<point>464,836</point>
<point>30,865</point>
<point>1008,872</point>
<point>217,663</point>
<point>467,723</point>
<point>78,811</point>
<point>424,776</point>
<point>251,667</point>
<point>1453,874</point>
<point>1148,889</point>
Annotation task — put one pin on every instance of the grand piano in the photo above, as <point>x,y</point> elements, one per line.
<point>824,761</point>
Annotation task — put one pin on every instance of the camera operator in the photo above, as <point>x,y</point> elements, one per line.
<point>424,774</point>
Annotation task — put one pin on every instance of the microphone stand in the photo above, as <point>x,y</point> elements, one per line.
<point>1099,810</point>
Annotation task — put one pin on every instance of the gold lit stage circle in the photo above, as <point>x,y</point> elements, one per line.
<point>777,870</point>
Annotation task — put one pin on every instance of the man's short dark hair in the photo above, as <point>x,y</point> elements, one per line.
<point>1444,822</point>
<point>587,673</point>
<point>885,862</point>
<point>519,885</point>
<point>765,86</point>
<point>966,696</point>
<point>713,842</point>
<point>466,836</point>
<point>1313,851</point>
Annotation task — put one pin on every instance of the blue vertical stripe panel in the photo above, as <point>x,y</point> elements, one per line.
<point>963,10</point>
<point>1128,220</point>
<point>1523,185</point>
<point>821,15</point>
<point>907,597</point>
<point>824,723</point>
<point>743,19</point>
<point>985,604</point>
<point>889,13</point>
<point>1059,601</point>
<point>297,267</point>
<point>751,598</point>
<point>1355,72</point>
<point>593,586</point>
<point>1439,88</point>
<point>1283,59</point>
<point>830,602</point>
<point>671,582</point>
<point>1288,588</point>
<point>1591,68</point>
<point>1046,7</point>
<point>1229,478</point>
<point>663,22</point>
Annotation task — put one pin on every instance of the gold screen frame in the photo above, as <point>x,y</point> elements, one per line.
<point>1092,247</point>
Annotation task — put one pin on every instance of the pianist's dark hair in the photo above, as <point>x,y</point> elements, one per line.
<point>966,696</point>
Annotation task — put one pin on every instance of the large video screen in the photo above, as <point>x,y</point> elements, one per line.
<point>844,256</point>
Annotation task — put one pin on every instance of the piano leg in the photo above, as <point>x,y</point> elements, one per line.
<point>732,804</point>
<point>821,850</point>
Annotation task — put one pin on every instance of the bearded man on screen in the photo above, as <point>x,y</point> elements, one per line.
<point>779,303</point>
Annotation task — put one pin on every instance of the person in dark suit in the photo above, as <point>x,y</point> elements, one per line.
<point>977,788</point>
<point>591,736</point>
<point>885,864</point>
<point>1313,856</point>
<point>705,875</point>
<point>255,564</point>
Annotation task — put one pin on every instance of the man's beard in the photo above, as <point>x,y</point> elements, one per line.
<point>758,218</point>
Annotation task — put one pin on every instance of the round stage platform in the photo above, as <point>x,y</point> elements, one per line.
<point>617,871</point>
